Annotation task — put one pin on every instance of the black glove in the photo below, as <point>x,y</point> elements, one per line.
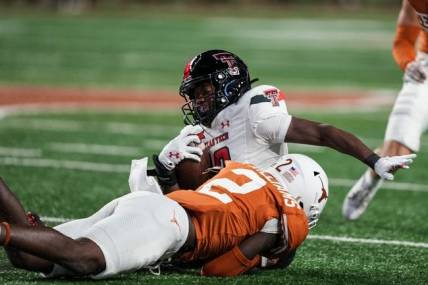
<point>165,177</point>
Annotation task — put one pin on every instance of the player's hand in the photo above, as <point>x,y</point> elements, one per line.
<point>386,165</point>
<point>414,72</point>
<point>185,145</point>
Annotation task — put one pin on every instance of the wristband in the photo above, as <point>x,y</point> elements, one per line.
<point>165,177</point>
<point>6,227</point>
<point>371,160</point>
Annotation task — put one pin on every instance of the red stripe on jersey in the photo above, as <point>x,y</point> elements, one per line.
<point>281,96</point>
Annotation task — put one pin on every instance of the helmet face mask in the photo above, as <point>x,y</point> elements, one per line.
<point>222,72</point>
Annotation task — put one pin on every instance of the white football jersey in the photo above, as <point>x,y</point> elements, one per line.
<point>251,130</point>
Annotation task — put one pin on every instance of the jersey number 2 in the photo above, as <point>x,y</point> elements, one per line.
<point>255,183</point>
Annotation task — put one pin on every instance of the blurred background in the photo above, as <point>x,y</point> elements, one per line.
<point>293,44</point>
<point>65,157</point>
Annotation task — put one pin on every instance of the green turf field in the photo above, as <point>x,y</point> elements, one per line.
<point>150,50</point>
<point>67,164</point>
<point>56,188</point>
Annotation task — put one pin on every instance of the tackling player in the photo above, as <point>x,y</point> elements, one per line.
<point>409,116</point>
<point>226,224</point>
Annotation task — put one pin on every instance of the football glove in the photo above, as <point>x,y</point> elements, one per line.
<point>185,145</point>
<point>385,165</point>
<point>414,72</point>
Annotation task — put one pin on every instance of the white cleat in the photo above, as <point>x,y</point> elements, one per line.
<point>359,197</point>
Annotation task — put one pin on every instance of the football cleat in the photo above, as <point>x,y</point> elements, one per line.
<point>359,197</point>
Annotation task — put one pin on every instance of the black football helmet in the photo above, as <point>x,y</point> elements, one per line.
<point>228,77</point>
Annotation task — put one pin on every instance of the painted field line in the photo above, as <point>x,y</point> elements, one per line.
<point>55,220</point>
<point>66,164</point>
<point>369,241</point>
<point>124,168</point>
<point>399,186</point>
<point>317,237</point>
<point>113,150</point>
<point>21,152</point>
<point>81,126</point>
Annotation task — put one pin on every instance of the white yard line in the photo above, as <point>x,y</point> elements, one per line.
<point>113,150</point>
<point>21,152</point>
<point>95,149</point>
<point>317,237</point>
<point>399,186</point>
<point>370,241</point>
<point>124,168</point>
<point>66,164</point>
<point>134,129</point>
<point>81,126</point>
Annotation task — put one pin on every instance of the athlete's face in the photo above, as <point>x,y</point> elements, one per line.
<point>204,95</point>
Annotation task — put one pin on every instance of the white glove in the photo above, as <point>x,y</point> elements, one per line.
<point>414,72</point>
<point>138,179</point>
<point>385,165</point>
<point>185,145</point>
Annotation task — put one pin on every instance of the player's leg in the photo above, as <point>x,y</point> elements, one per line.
<point>144,229</point>
<point>12,211</point>
<point>12,208</point>
<point>80,256</point>
<point>405,126</point>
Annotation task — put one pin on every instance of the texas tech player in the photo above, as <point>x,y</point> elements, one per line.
<point>248,124</point>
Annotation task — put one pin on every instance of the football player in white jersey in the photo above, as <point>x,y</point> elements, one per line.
<point>408,119</point>
<point>252,125</point>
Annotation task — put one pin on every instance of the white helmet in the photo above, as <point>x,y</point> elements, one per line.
<point>305,180</point>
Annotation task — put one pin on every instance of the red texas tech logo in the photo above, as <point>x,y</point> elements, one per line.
<point>273,96</point>
<point>230,60</point>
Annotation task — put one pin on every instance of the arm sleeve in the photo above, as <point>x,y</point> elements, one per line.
<point>403,49</point>
<point>231,263</point>
<point>269,116</point>
<point>272,129</point>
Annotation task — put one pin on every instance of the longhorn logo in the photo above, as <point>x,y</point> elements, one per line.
<point>324,192</point>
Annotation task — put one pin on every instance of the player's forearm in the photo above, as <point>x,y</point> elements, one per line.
<point>241,258</point>
<point>347,143</point>
<point>314,133</point>
<point>11,209</point>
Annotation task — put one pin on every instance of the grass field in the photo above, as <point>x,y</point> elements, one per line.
<point>150,49</point>
<point>67,164</point>
<point>49,141</point>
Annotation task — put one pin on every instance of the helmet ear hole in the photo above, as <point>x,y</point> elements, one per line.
<point>301,204</point>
